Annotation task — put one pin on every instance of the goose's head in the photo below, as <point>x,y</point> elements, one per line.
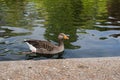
<point>62,36</point>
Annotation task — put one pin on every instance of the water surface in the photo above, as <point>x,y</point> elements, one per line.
<point>93,27</point>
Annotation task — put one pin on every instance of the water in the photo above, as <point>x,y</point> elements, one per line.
<point>93,27</point>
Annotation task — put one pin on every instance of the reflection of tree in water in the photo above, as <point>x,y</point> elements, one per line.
<point>17,13</point>
<point>63,17</point>
<point>13,11</point>
<point>114,8</point>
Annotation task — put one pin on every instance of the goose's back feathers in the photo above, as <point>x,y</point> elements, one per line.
<point>45,45</point>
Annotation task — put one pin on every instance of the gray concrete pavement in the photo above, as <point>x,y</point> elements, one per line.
<point>62,69</point>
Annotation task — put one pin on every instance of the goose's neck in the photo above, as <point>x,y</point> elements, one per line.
<point>61,43</point>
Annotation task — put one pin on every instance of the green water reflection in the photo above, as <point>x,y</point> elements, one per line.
<point>63,17</point>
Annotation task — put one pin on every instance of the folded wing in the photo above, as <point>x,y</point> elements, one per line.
<point>38,44</point>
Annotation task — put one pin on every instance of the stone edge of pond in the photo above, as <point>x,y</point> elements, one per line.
<point>106,68</point>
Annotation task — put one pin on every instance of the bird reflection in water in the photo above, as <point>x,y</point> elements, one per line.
<point>35,56</point>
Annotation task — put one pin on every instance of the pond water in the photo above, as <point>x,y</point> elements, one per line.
<point>93,27</point>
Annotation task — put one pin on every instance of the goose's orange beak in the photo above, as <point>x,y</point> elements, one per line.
<point>66,37</point>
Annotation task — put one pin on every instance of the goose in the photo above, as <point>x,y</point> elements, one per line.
<point>45,47</point>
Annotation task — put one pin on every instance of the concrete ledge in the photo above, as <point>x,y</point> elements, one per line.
<point>62,69</point>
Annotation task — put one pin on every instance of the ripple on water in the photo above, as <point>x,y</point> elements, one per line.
<point>15,29</point>
<point>1,40</point>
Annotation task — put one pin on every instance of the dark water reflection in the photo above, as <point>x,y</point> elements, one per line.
<point>93,27</point>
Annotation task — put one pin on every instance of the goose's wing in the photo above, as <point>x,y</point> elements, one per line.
<point>41,44</point>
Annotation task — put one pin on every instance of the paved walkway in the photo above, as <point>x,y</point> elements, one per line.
<point>62,69</point>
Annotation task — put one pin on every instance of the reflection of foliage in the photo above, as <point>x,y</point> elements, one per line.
<point>14,12</point>
<point>63,16</point>
<point>93,10</point>
<point>18,13</point>
<point>114,8</point>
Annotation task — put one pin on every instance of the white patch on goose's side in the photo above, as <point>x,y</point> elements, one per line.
<point>32,48</point>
